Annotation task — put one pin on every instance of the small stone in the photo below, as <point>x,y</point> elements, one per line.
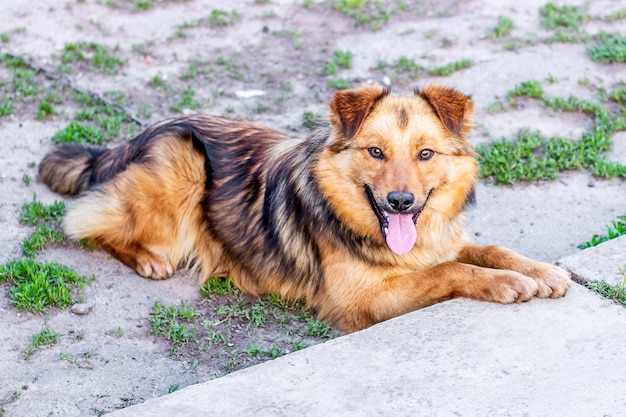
<point>591,183</point>
<point>81,309</point>
<point>249,93</point>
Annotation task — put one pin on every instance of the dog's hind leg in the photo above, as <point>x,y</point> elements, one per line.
<point>149,215</point>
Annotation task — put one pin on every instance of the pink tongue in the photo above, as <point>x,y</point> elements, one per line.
<point>401,235</point>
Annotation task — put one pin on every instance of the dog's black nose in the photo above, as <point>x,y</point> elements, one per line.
<point>400,200</point>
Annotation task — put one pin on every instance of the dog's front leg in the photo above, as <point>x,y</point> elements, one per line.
<point>403,292</point>
<point>553,281</point>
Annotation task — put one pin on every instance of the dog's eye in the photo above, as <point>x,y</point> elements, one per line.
<point>426,154</point>
<point>375,153</point>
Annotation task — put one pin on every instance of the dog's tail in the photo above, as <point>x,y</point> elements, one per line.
<point>68,169</point>
<point>72,168</point>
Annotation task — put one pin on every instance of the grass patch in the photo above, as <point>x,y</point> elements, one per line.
<point>218,286</point>
<point>615,230</point>
<point>310,120</point>
<point>186,101</point>
<point>233,69</point>
<point>46,109</point>
<point>367,12</point>
<point>223,18</point>
<point>79,133</point>
<point>615,293</point>
<point>609,48</point>
<point>570,17</point>
<point>531,89</point>
<point>170,322</point>
<point>96,123</point>
<point>608,291</point>
<point>46,220</point>
<point>235,328</point>
<point>341,59</point>
<point>98,57</point>
<point>531,157</point>
<point>448,69</point>
<point>616,15</point>
<point>6,108</point>
<point>38,286</point>
<point>504,27</point>
<point>46,337</point>
<point>339,84</point>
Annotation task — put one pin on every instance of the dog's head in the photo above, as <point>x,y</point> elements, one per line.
<point>391,160</point>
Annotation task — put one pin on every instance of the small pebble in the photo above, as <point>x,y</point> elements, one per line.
<point>591,183</point>
<point>81,309</point>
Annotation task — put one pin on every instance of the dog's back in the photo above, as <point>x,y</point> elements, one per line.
<point>201,187</point>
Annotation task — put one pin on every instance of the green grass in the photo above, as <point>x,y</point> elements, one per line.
<point>341,59</point>
<point>79,133</point>
<point>616,15</point>
<point>172,322</point>
<point>98,57</point>
<point>504,27</point>
<point>46,109</point>
<point>24,84</point>
<point>96,123</point>
<point>339,84</point>
<point>158,82</point>
<point>223,18</point>
<point>532,89</point>
<point>406,64</point>
<point>608,291</point>
<point>448,69</point>
<point>609,48</point>
<point>6,108</point>
<point>233,69</point>
<point>38,286</point>
<point>186,101</point>
<point>615,293</point>
<point>218,286</point>
<point>46,337</point>
<point>570,17</point>
<point>235,328</point>
<point>310,119</point>
<point>196,67</point>
<point>615,230</point>
<point>141,5</point>
<point>531,157</point>
<point>374,13</point>
<point>46,220</point>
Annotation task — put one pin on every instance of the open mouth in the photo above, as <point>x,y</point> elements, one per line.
<point>398,228</point>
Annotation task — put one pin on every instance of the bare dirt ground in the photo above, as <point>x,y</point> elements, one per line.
<point>182,56</point>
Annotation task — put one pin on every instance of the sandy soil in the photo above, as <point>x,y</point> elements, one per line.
<point>279,47</point>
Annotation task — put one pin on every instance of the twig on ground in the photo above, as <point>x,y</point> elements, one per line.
<point>69,82</point>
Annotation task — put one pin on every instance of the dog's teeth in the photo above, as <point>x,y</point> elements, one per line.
<point>385,230</point>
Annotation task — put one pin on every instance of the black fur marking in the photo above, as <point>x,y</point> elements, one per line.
<point>470,199</point>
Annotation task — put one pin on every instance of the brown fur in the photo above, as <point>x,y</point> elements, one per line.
<point>298,218</point>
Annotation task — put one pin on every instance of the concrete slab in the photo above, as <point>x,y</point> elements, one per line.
<point>602,262</point>
<point>544,358</point>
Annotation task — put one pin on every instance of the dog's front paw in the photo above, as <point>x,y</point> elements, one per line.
<point>509,287</point>
<point>503,287</point>
<point>553,281</point>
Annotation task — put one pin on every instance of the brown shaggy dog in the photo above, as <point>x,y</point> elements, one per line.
<point>363,219</point>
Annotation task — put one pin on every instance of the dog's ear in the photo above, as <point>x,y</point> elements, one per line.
<point>455,109</point>
<point>349,108</point>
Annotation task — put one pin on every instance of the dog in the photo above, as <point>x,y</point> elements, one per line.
<point>363,219</point>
